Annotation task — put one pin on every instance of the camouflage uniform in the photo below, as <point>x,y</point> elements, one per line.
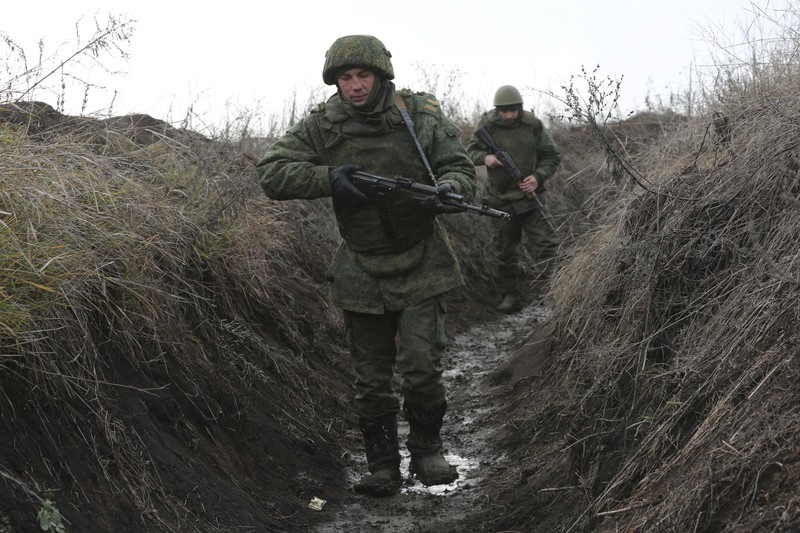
<point>372,274</point>
<point>390,284</point>
<point>532,148</point>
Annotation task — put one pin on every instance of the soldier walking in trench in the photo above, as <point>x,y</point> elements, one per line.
<point>394,263</point>
<point>531,147</point>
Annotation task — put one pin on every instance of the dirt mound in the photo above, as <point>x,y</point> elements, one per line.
<point>662,395</point>
<point>170,360</point>
<point>41,120</point>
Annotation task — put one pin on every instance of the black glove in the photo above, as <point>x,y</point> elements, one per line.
<point>343,189</point>
<point>434,201</point>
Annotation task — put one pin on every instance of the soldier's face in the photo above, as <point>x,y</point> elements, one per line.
<point>356,85</point>
<point>509,116</point>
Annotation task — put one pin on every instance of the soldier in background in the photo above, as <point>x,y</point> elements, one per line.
<point>532,148</point>
<point>395,263</point>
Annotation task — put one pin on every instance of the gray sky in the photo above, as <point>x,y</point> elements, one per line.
<point>246,55</point>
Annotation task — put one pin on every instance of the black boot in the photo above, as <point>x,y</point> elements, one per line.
<point>425,445</point>
<point>383,457</point>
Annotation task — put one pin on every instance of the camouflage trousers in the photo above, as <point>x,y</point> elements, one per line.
<point>412,341</point>
<point>540,244</point>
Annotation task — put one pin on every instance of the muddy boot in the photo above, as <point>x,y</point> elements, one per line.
<point>511,304</point>
<point>425,445</point>
<point>383,457</point>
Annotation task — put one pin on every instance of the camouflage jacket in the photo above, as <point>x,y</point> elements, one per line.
<point>532,148</point>
<point>370,271</point>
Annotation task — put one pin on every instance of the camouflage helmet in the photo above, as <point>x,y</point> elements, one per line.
<point>507,95</point>
<point>356,51</point>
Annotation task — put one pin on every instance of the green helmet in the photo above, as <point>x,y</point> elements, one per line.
<point>356,51</point>
<point>507,95</point>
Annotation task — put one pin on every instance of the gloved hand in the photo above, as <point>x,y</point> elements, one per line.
<point>434,201</point>
<point>343,189</point>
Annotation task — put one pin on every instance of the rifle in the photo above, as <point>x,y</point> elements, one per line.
<point>512,168</point>
<point>380,186</point>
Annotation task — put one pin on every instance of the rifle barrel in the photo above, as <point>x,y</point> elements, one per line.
<point>422,190</point>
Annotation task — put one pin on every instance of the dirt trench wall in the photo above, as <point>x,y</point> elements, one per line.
<point>175,362</point>
<point>662,395</point>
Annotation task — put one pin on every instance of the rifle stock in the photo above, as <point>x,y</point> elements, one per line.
<point>512,168</point>
<point>376,186</point>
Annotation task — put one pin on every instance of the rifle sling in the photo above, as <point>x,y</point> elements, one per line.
<point>401,106</point>
<point>385,211</point>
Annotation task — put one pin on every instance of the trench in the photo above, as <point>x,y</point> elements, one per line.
<point>471,421</point>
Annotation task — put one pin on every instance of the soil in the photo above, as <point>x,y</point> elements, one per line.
<point>472,360</point>
<point>245,438</point>
<point>255,431</point>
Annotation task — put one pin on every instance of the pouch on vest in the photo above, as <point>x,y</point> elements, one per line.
<point>502,180</point>
<point>392,263</point>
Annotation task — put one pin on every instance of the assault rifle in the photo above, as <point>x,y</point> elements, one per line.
<point>511,167</point>
<point>380,186</point>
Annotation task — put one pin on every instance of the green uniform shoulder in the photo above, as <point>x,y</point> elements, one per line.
<point>529,118</point>
<point>422,102</point>
<point>314,116</point>
<point>422,105</point>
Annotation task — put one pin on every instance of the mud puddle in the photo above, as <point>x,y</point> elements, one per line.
<point>469,424</point>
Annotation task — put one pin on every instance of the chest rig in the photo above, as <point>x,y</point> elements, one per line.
<point>394,221</point>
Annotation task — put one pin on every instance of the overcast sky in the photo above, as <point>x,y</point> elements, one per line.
<point>234,54</point>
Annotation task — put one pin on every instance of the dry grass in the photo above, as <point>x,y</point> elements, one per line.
<point>670,402</point>
<point>154,304</point>
<point>140,258</point>
<point>693,309</point>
